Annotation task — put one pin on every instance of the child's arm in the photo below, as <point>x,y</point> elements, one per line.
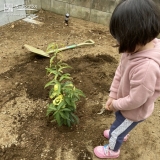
<point>113,89</point>
<point>142,87</point>
<point>115,84</point>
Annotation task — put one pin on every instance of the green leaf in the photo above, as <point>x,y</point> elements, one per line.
<point>68,123</point>
<point>67,114</point>
<point>52,59</point>
<point>59,87</point>
<point>64,116</point>
<point>64,121</point>
<point>51,108</point>
<point>72,119</point>
<point>79,91</point>
<point>75,117</point>
<point>65,76</point>
<point>73,103</point>
<point>71,108</point>
<point>66,109</point>
<point>67,100</point>
<point>61,104</point>
<point>54,94</point>
<point>55,113</point>
<point>68,83</point>
<point>60,63</point>
<point>52,71</point>
<point>58,119</point>
<point>50,83</point>
<point>51,46</point>
<point>61,68</point>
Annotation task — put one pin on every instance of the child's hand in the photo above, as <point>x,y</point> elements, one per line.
<point>110,108</point>
<point>109,105</point>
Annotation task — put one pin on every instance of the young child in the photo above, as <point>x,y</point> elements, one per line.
<point>135,24</point>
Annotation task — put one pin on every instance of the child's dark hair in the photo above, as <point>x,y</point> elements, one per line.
<point>135,22</point>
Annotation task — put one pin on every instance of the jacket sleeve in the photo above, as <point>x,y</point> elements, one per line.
<point>115,83</point>
<point>142,86</point>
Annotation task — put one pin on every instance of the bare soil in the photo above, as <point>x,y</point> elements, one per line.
<point>25,131</point>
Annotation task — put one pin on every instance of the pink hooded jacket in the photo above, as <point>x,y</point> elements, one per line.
<point>136,84</point>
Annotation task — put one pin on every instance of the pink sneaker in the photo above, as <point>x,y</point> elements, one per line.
<point>105,152</point>
<point>106,134</point>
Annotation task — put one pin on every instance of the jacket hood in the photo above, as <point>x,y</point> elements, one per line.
<point>153,53</point>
